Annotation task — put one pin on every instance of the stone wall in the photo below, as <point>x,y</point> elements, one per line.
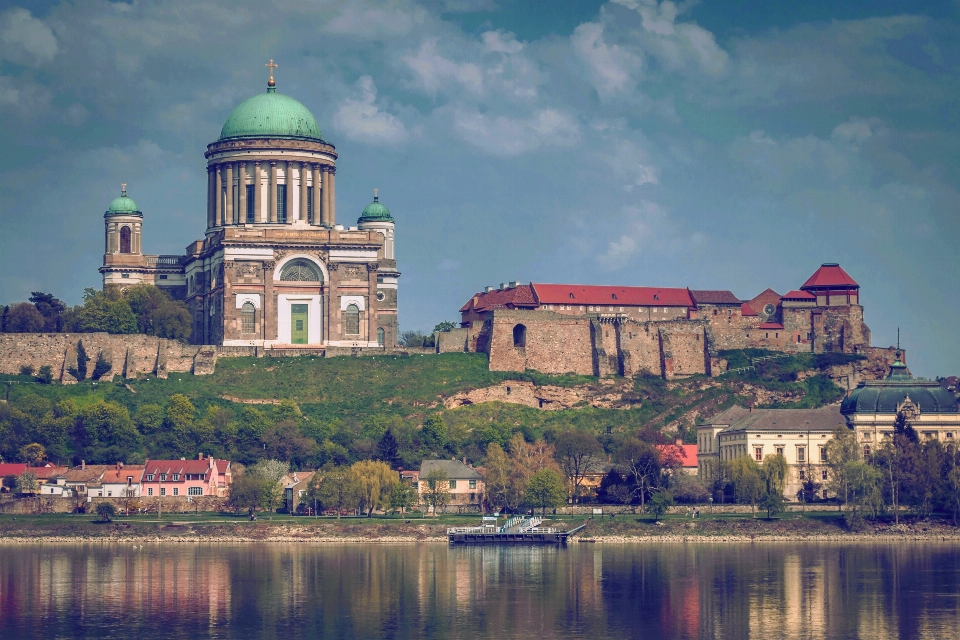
<point>553,343</point>
<point>452,341</point>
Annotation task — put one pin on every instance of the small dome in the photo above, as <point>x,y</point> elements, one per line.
<point>270,115</point>
<point>884,396</point>
<point>375,212</point>
<point>123,206</point>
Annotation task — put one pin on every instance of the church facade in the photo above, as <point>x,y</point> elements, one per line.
<point>275,269</point>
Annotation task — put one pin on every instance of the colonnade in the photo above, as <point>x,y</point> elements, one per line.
<point>228,206</point>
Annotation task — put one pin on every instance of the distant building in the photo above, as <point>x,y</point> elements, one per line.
<point>295,486</point>
<point>200,477</point>
<point>122,481</point>
<point>684,455</point>
<point>464,483</point>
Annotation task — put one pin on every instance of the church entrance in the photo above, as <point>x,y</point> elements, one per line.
<point>298,323</point>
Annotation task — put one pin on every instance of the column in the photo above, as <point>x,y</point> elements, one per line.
<point>317,220</point>
<point>372,301</point>
<point>242,192</point>
<point>325,200</point>
<point>289,187</point>
<point>230,217</point>
<point>218,203</point>
<point>333,196</point>
<point>332,306</point>
<point>258,214</point>
<point>303,192</point>
<point>268,318</point>
<point>272,194</point>
<point>211,185</point>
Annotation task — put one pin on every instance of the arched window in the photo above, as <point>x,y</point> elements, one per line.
<point>300,271</point>
<point>380,336</point>
<point>248,318</point>
<point>353,320</point>
<point>124,239</point>
<point>519,336</point>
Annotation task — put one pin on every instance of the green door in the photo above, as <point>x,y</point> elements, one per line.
<point>298,324</point>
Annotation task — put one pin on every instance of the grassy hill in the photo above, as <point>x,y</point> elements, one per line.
<point>338,409</point>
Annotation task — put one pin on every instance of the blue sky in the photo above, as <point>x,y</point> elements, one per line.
<point>733,144</point>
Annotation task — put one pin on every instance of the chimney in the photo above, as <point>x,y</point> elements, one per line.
<point>751,407</point>
<point>503,285</point>
<point>487,289</point>
<point>200,456</point>
<point>679,442</point>
<point>464,459</point>
<point>83,465</point>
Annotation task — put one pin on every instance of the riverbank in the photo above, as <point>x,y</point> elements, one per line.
<point>624,528</point>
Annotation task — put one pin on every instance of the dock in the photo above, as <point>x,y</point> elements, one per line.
<point>516,530</point>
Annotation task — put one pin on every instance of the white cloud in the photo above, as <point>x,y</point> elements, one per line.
<point>435,72</point>
<point>611,66</point>
<point>857,131</point>
<point>638,225</point>
<point>24,39</point>
<point>356,19</point>
<point>501,42</point>
<point>676,44</point>
<point>362,120</point>
<point>505,136</point>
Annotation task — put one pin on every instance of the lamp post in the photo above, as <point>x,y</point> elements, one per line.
<point>711,503</point>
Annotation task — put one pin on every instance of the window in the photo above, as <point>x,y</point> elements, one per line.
<point>520,336</point>
<point>176,477</point>
<point>124,275</point>
<point>473,484</point>
<point>149,477</point>
<point>803,475</point>
<point>163,276</point>
<point>801,454</point>
<point>300,271</point>
<point>310,205</point>
<point>352,323</point>
<point>282,203</point>
<point>614,296</point>
<point>824,494</point>
<point>150,491</point>
<point>124,239</point>
<point>758,454</point>
<point>176,491</point>
<point>248,317</point>
<point>949,435</point>
<point>251,203</point>
<point>571,296</point>
<point>823,474</point>
<point>453,484</point>
<point>195,491</point>
<point>109,494</point>
<point>866,451</point>
<point>163,491</point>
<point>380,336</point>
<point>163,477</point>
<point>381,296</point>
<point>823,454</point>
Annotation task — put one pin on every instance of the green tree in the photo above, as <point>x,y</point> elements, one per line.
<point>772,503</point>
<point>335,487</point>
<point>640,463</point>
<point>578,453</point>
<point>50,308</point>
<point>446,325</point>
<point>33,453</point>
<point>23,317</point>
<point>437,493</point>
<point>388,449</point>
<point>864,484</point>
<point>178,425</point>
<point>375,481</point>
<point>27,483</point>
<point>101,367</point>
<point>80,371</point>
<point>403,497</point>
<point>659,503</point>
<point>499,483</point>
<point>841,450</point>
<point>545,489</point>
<point>953,492</point>
<point>106,310</point>
<point>435,431</point>
<point>45,374</point>
<point>748,484</point>
<point>106,511</point>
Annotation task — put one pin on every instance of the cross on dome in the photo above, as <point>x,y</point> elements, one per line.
<point>123,188</point>
<point>376,194</point>
<point>270,65</point>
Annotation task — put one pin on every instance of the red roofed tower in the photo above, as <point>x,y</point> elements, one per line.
<point>827,309</point>
<point>832,285</point>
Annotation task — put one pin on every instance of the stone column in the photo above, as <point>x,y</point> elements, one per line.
<point>211,185</point>
<point>230,216</point>
<point>316,196</point>
<point>333,196</point>
<point>268,317</point>
<point>272,194</point>
<point>325,199</point>
<point>304,197</point>
<point>242,192</point>
<point>372,302</point>
<point>289,187</point>
<point>219,196</point>
<point>258,214</point>
<point>330,332</point>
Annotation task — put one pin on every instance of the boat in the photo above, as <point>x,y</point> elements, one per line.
<point>516,530</point>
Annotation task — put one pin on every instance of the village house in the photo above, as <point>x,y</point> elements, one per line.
<point>295,487</point>
<point>200,477</point>
<point>122,481</point>
<point>464,483</point>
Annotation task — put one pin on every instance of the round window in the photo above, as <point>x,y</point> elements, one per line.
<point>381,296</point>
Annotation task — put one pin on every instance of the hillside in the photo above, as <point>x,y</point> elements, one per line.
<point>312,410</point>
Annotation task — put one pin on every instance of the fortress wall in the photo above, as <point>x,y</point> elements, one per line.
<point>730,332</point>
<point>454,340</point>
<point>554,343</point>
<point>640,349</point>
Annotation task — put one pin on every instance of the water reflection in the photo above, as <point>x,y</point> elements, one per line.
<point>431,591</point>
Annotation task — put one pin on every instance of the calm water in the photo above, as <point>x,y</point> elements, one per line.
<point>432,591</point>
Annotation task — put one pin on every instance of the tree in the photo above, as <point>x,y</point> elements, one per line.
<point>412,339</point>
<point>640,463</point>
<point>403,497</point>
<point>50,308</point>
<point>335,488</point>
<point>774,473</point>
<point>284,441</point>
<point>498,480</point>
<point>375,481</point>
<point>577,452</point>
<point>23,317</point>
<point>178,425</point>
<point>387,449</point>
<point>33,453</point>
<point>106,511</point>
<point>437,494</point>
<point>659,503</point>
<point>953,492</point>
<point>545,489</point>
<point>446,325</point>
<point>105,310</point>
<point>841,450</point>
<point>435,430</point>
<point>45,374</point>
<point>270,473</point>
<point>863,491</point>
<point>80,371</point>
<point>748,485</point>
<point>26,370</point>
<point>27,483</point>
<point>772,503</point>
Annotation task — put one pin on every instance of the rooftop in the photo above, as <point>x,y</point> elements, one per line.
<point>714,297</point>
<point>737,418</point>
<point>613,296</point>
<point>454,469</point>
<point>830,274</point>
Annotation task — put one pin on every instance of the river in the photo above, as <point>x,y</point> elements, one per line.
<point>594,591</point>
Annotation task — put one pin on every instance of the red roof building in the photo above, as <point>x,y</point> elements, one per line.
<point>832,286</point>
<point>685,455</point>
<point>200,477</point>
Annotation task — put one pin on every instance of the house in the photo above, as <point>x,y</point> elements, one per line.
<point>84,480</point>
<point>464,483</point>
<point>122,481</point>
<point>410,477</point>
<point>684,455</point>
<point>295,487</point>
<point>10,469</point>
<point>200,477</point>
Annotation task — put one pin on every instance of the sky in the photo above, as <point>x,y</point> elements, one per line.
<point>720,144</point>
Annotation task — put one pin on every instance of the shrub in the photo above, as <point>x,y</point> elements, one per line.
<point>26,370</point>
<point>106,511</point>
<point>45,374</point>
<point>101,367</point>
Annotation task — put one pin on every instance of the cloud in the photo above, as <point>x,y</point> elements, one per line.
<point>362,120</point>
<point>611,66</point>
<point>359,19</point>
<point>24,39</point>
<point>505,136</point>
<point>639,224</point>
<point>434,72</point>
<point>501,41</point>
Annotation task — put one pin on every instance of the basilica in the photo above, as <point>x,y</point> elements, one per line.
<point>274,269</point>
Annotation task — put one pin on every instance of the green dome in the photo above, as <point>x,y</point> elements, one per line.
<point>270,115</point>
<point>123,206</point>
<point>375,212</point>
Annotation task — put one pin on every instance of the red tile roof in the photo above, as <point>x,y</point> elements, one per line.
<point>714,297</point>
<point>685,454</point>
<point>830,274</point>
<point>45,473</point>
<point>520,296</point>
<point>798,295</point>
<point>747,310</point>
<point>607,295</point>
<point>119,476</point>
<point>12,469</point>
<point>182,467</point>
<point>770,325</point>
